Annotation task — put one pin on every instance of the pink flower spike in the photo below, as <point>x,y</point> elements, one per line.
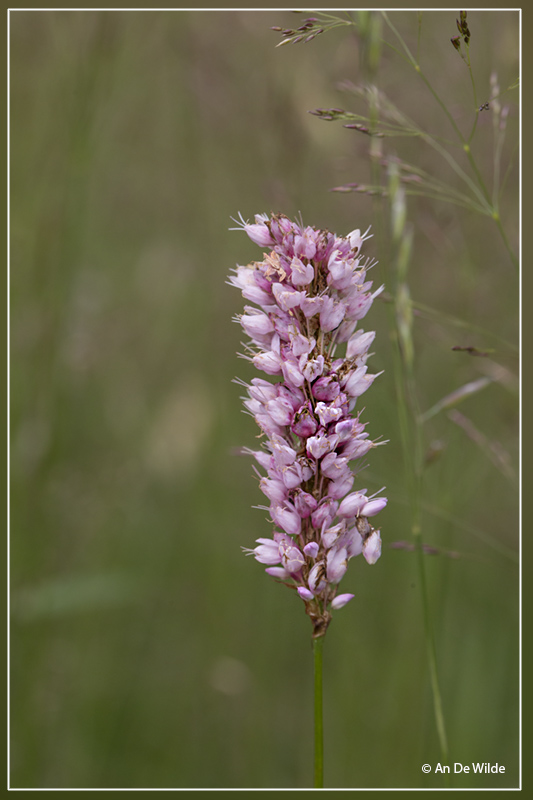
<point>306,294</point>
<point>372,547</point>
<point>341,600</point>
<point>304,593</point>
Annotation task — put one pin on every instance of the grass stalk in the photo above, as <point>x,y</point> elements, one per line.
<point>410,423</point>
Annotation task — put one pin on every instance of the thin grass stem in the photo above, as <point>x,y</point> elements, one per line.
<point>412,443</point>
<point>476,106</point>
<point>497,220</point>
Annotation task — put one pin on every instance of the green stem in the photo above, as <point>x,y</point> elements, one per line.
<point>430,641</point>
<point>497,220</point>
<point>474,93</point>
<point>319,725</point>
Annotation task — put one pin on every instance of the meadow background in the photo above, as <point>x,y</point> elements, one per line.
<point>146,651</point>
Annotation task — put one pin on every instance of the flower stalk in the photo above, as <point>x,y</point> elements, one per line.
<point>318,644</point>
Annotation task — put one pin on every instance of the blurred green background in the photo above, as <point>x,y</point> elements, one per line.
<point>146,651</point>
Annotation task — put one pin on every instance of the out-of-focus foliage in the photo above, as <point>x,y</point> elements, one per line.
<point>146,650</point>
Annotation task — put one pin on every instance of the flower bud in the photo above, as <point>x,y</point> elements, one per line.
<point>301,274</point>
<point>305,244</point>
<point>352,504</point>
<point>315,580</point>
<point>326,388</point>
<point>291,558</point>
<point>327,413</point>
<point>341,600</point>
<point>311,306</point>
<point>324,513</point>
<point>292,475</point>
<point>268,362</point>
<point>257,324</point>
<point>275,490</point>
<point>373,507</point>
<point>304,424</point>
<point>329,536</point>
<point>359,343</point>
<point>286,297</point>
<point>311,550</point>
<point>304,503</point>
<point>338,488</point>
<point>331,314</point>
<point>267,552</point>
<point>313,368</point>
<point>259,234</point>
<point>283,454</point>
<point>281,411</point>
<point>372,547</point>
<point>278,572</point>
<point>337,564</point>
<point>292,374</point>
<point>286,517</point>
<point>304,593</point>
